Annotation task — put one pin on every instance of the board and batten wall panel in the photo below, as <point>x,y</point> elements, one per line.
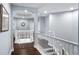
<point>65,25</point>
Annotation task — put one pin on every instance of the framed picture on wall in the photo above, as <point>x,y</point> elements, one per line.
<point>4,19</point>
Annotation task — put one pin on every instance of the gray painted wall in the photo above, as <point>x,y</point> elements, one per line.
<point>29,24</point>
<point>43,24</point>
<point>5,37</point>
<point>65,25</point>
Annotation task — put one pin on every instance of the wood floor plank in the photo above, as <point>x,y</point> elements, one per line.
<point>25,49</point>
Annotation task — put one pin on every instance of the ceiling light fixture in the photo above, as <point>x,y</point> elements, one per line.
<point>71,8</point>
<point>22,17</point>
<point>45,12</point>
<point>25,11</point>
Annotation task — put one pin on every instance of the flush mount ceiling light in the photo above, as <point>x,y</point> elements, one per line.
<point>45,12</point>
<point>22,17</point>
<point>71,8</point>
<point>25,11</point>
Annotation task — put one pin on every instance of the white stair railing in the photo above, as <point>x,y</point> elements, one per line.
<point>70,48</point>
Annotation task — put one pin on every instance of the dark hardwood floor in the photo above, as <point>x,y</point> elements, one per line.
<point>25,49</point>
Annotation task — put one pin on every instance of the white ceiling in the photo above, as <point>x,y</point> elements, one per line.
<point>33,5</point>
<point>49,7</point>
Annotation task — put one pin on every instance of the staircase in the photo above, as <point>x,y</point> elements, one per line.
<point>47,49</point>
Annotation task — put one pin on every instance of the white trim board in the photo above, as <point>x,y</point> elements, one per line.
<point>11,51</point>
<point>38,47</point>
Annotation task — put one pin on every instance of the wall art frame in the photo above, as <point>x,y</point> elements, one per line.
<point>4,19</point>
